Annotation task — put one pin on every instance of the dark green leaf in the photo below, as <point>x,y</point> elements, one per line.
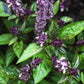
<point>1,58</point>
<point>9,56</point>
<point>27,30</point>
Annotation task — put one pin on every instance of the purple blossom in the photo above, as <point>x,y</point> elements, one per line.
<point>57,42</point>
<point>80,42</point>
<point>54,59</point>
<point>73,71</point>
<point>16,7</point>
<point>64,4</point>
<point>61,65</point>
<point>60,22</point>
<point>24,76</point>
<point>34,63</point>
<point>25,68</point>
<point>28,12</point>
<point>14,30</point>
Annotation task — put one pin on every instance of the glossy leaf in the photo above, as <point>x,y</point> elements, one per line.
<point>71,30</point>
<point>11,17</point>
<point>13,40</point>
<point>82,77</point>
<point>56,7</point>
<point>3,9</point>
<point>10,55</point>
<point>17,47</point>
<point>5,38</point>
<point>41,72</point>
<point>66,19</point>
<point>31,50</point>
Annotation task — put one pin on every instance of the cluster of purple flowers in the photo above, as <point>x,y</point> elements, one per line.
<point>64,4</point>
<point>62,64</point>
<point>60,22</point>
<point>18,8</point>
<point>24,73</point>
<point>73,71</point>
<point>34,63</point>
<point>57,42</point>
<point>80,42</point>
<point>15,31</point>
<point>44,13</point>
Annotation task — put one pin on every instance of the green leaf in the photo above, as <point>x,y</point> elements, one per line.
<point>31,50</point>
<point>23,25</point>
<point>34,7</point>
<point>56,7</point>
<point>10,24</point>
<point>17,47</point>
<point>62,80</point>
<point>41,71</point>
<point>27,30</point>
<point>66,19</point>
<point>10,72</point>
<point>71,30</point>
<point>52,30</point>
<point>10,55</point>
<point>12,17</point>
<point>5,38</point>
<point>3,8</point>
<point>1,58</point>
<point>82,77</point>
<point>3,79</point>
<point>13,40</point>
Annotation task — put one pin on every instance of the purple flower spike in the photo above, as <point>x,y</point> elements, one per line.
<point>57,42</point>
<point>36,62</point>
<point>73,71</point>
<point>44,13</point>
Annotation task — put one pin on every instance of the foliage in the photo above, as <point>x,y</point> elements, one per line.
<point>20,44</point>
